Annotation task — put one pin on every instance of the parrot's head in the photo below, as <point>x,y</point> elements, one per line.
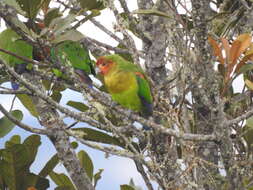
<point>104,65</point>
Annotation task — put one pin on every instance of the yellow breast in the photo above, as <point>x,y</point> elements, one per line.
<point>117,82</point>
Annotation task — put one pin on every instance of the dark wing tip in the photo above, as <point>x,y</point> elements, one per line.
<point>84,77</point>
<point>147,107</point>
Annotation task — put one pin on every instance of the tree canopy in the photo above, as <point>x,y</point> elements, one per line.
<point>196,59</point>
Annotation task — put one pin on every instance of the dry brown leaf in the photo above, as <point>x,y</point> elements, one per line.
<point>233,54</point>
<point>239,46</point>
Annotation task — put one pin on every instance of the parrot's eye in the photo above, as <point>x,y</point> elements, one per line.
<point>103,64</point>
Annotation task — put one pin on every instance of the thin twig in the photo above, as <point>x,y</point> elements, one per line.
<point>12,103</point>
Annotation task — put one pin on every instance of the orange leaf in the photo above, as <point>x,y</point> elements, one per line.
<point>239,46</point>
<point>216,49</point>
<point>234,53</point>
<point>226,47</point>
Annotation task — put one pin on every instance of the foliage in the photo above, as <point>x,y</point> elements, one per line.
<point>6,125</point>
<point>15,162</point>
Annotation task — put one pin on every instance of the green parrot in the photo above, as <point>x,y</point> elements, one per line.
<point>11,41</point>
<point>76,55</point>
<point>127,83</point>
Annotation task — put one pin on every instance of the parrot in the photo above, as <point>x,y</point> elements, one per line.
<point>11,41</point>
<point>127,84</point>
<point>76,55</point>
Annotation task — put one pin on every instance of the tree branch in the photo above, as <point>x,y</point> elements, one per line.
<point>22,125</point>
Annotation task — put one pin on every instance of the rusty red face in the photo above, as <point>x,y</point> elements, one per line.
<point>104,65</point>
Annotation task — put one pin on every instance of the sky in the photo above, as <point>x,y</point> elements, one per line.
<point>117,170</point>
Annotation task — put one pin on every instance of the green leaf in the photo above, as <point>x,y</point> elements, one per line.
<point>57,87</point>
<point>15,139</point>
<point>46,84</point>
<point>56,96</point>
<point>74,144</point>
<point>126,187</point>
<point>86,163</point>
<point>248,131</point>
<point>78,105</point>
<point>58,25</point>
<point>245,68</point>
<point>61,180</point>
<point>16,164</point>
<point>28,103</point>
<point>248,135</point>
<point>97,177</point>
<point>32,144</point>
<point>6,37</point>
<point>52,14</point>
<point>97,136</point>
<point>50,165</point>
<point>91,4</point>
<point>6,125</point>
<point>72,35</point>
<point>151,12</point>
<point>31,7</point>
<point>20,48</point>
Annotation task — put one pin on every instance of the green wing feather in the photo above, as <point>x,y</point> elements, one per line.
<point>145,96</point>
<point>73,53</point>
<point>144,90</point>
